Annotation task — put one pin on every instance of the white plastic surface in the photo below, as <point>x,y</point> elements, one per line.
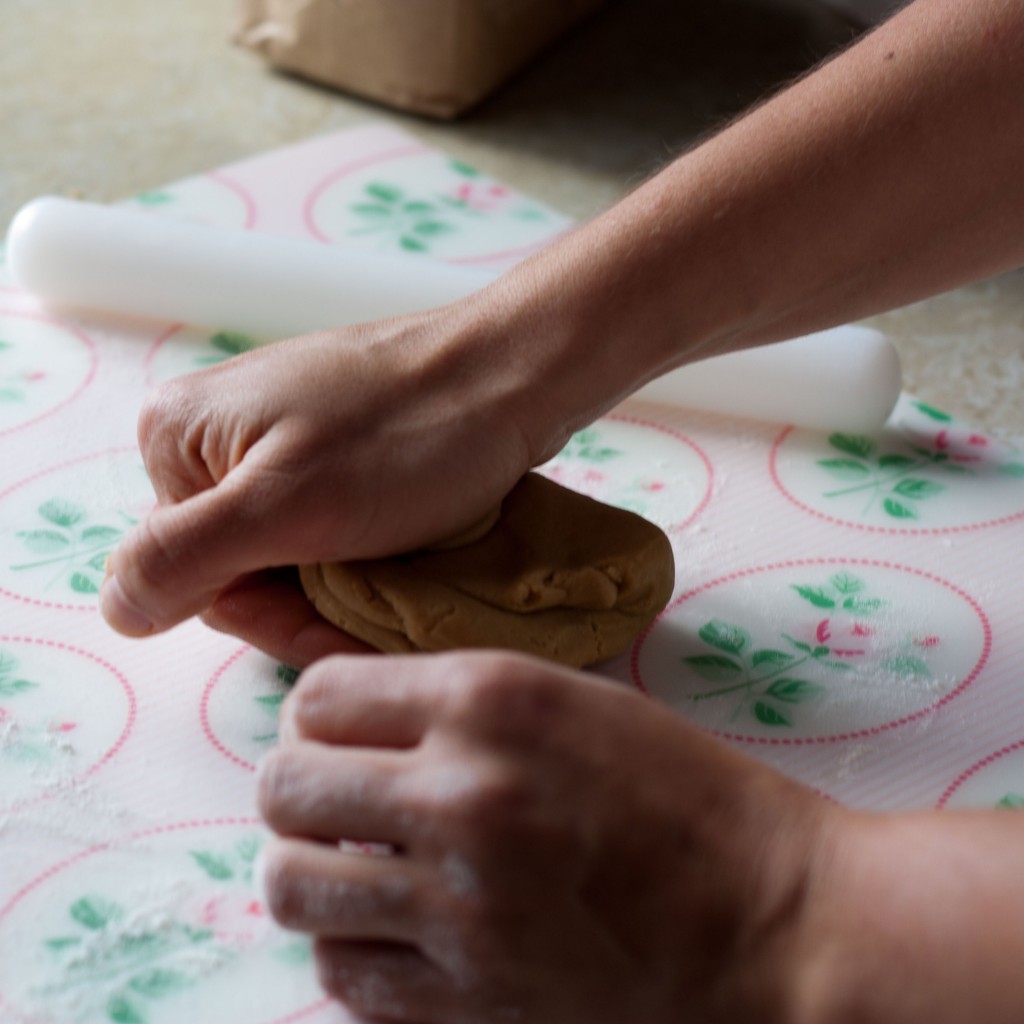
<point>847,378</point>
<point>75,255</point>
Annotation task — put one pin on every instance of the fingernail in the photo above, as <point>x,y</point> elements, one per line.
<point>120,613</point>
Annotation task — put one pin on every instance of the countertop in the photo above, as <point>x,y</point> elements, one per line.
<point>105,99</point>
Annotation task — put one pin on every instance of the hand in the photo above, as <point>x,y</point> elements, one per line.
<point>348,444</point>
<point>565,851</point>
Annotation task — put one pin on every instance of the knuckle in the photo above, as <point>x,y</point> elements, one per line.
<point>356,979</point>
<point>504,694</point>
<point>478,805</point>
<point>278,777</point>
<point>316,688</point>
<point>161,408</point>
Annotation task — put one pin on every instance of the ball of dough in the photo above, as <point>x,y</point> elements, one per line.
<point>558,575</point>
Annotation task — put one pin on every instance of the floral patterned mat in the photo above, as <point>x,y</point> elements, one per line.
<point>845,609</point>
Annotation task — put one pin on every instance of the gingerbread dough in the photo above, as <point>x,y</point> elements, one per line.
<point>558,575</point>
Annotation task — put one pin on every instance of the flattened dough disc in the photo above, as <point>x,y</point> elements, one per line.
<point>559,575</point>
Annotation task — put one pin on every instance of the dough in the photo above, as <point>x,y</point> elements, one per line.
<point>559,575</point>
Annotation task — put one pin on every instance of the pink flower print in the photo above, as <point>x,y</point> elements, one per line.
<point>927,641</point>
<point>60,727</point>
<point>236,919</point>
<point>35,375</point>
<point>594,476</point>
<point>957,447</point>
<point>823,634</point>
<point>481,196</point>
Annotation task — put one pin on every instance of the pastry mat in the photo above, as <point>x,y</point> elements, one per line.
<point>847,609</point>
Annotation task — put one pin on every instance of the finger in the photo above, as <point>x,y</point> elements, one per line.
<point>318,792</point>
<point>323,891</point>
<point>387,702</point>
<point>270,611</point>
<point>175,563</point>
<point>386,983</point>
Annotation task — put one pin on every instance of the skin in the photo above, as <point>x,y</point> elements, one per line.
<point>564,850</point>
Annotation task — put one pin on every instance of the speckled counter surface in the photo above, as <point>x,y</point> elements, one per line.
<point>104,99</point>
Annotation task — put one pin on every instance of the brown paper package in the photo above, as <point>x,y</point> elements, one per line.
<point>434,57</point>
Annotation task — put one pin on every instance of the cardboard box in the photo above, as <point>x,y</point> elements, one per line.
<point>435,57</point>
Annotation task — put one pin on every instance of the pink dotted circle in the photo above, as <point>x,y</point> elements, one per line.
<point>794,741</point>
<point>107,756</point>
<point>80,336</point>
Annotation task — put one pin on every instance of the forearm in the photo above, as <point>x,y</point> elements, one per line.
<point>894,172</point>
<point>917,917</point>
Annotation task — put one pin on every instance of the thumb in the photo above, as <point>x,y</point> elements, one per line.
<point>176,561</point>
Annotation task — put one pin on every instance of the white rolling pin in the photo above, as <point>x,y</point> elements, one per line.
<point>81,256</point>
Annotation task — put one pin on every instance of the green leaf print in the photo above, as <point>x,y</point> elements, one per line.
<point>816,595</point>
<point>586,444</point>
<point>12,687</point>
<point>918,489</point>
<point>79,550</point>
<point>1011,802</point>
<point>894,461</point>
<point>61,513</point>
<point>101,534</point>
<point>386,193</point>
<point>44,542</point>
<point>770,657</point>
<point>287,674</point>
<point>715,668</point>
<point>767,681</point>
<point>845,469</point>
<point>372,210</point>
<point>159,982</point>
<point>154,197</point>
<point>122,1011</point>
<point>864,605</point>
<point>216,866</point>
<point>95,913</point>
<point>464,169</point>
<point>82,584</point>
<point>898,510</point>
<point>933,413</point>
<point>248,849</point>
<point>226,345</point>
<point>724,636</point>
<point>271,702</point>
<point>232,865</point>
<point>896,481</point>
<point>851,444</point>
<point>297,953</point>
<point>122,965</point>
<point>906,665</point>
<point>794,691</point>
<point>846,583</point>
<point>768,715</point>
